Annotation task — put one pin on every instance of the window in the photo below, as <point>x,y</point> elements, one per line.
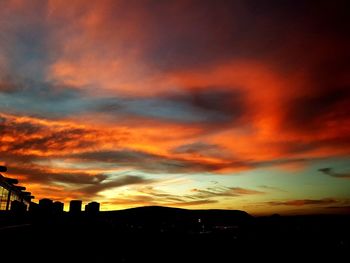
<point>3,198</point>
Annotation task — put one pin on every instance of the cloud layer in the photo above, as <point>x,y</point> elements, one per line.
<point>101,95</point>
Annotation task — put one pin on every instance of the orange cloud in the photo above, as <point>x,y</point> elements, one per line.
<point>91,90</point>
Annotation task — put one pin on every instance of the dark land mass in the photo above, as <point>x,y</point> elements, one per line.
<point>162,234</point>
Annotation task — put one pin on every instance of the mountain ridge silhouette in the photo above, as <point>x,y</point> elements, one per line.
<point>166,209</point>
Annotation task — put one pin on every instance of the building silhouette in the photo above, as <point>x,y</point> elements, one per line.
<point>14,197</point>
<point>33,207</point>
<point>57,207</point>
<point>45,206</point>
<point>45,203</point>
<point>92,208</point>
<point>10,191</point>
<point>75,206</point>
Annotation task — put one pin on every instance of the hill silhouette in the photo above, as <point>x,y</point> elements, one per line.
<point>166,234</point>
<point>167,219</point>
<point>169,213</point>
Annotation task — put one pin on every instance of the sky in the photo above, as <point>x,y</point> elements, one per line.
<point>193,104</point>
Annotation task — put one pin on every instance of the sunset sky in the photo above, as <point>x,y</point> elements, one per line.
<point>193,104</point>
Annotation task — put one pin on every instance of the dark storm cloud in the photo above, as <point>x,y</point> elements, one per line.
<point>152,108</point>
<point>324,60</point>
<point>207,105</point>
<point>154,163</point>
<point>293,147</point>
<point>206,29</point>
<point>312,111</point>
<point>282,161</point>
<point>219,104</point>
<point>58,140</point>
<point>197,148</point>
<point>7,86</point>
<point>303,202</point>
<point>88,184</point>
<point>102,185</point>
<point>25,38</point>
<point>338,141</point>
<point>39,175</point>
<point>295,37</point>
<point>329,171</point>
<point>19,158</point>
<point>28,136</point>
<point>41,90</point>
<point>212,31</point>
<point>32,136</point>
<point>31,97</point>
<point>148,162</point>
<point>9,127</point>
<point>202,149</point>
<point>210,105</point>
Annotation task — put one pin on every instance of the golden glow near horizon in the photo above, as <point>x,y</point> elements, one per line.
<point>172,104</point>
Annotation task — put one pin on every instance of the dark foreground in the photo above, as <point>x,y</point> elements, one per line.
<point>167,235</point>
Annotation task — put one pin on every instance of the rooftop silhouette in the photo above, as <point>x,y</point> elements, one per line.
<point>10,192</point>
